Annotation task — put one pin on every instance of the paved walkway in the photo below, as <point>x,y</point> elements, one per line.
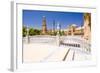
<point>39,52</point>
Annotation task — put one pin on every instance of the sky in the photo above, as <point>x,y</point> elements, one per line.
<point>33,18</point>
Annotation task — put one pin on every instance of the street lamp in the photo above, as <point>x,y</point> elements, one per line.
<point>27,35</point>
<point>58,34</point>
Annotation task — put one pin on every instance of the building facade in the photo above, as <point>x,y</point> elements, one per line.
<point>73,30</point>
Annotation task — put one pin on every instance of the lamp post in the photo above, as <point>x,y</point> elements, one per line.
<point>58,35</point>
<point>27,35</point>
<point>53,28</point>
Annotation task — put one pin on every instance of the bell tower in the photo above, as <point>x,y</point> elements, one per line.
<point>87,26</point>
<point>44,26</point>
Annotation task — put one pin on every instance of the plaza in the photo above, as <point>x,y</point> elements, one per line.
<point>57,44</point>
<point>45,49</point>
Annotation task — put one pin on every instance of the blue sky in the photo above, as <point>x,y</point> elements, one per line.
<point>33,18</point>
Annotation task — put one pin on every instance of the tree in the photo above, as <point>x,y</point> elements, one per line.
<point>63,33</point>
<point>34,32</point>
<point>37,31</point>
<point>24,31</point>
<point>31,32</point>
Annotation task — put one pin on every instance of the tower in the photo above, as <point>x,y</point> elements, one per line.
<point>44,27</point>
<point>53,27</point>
<point>87,26</point>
